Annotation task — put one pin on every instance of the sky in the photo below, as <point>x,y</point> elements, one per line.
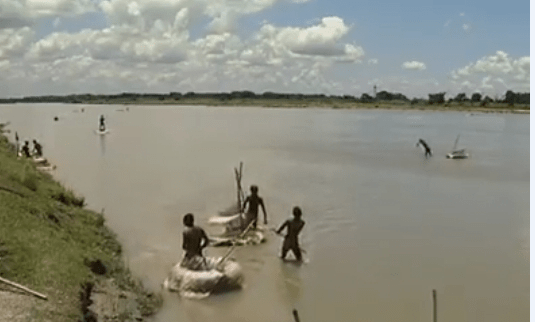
<point>334,47</point>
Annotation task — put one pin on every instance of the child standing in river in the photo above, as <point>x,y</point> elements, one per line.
<point>291,240</point>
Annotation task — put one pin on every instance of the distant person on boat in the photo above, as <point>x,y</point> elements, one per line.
<point>194,240</point>
<point>428,152</point>
<point>102,126</point>
<point>26,149</point>
<point>291,240</point>
<point>37,148</point>
<point>254,202</point>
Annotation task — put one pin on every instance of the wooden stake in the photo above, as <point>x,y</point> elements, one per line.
<point>39,295</point>
<point>296,315</point>
<point>235,244</point>
<point>434,305</point>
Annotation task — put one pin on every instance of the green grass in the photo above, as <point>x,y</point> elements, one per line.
<point>46,236</point>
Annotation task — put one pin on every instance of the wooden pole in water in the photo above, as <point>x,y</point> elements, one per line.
<point>296,315</point>
<point>235,244</point>
<point>8,282</point>
<point>434,305</point>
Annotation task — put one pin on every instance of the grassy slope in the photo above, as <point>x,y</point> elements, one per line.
<point>46,238</point>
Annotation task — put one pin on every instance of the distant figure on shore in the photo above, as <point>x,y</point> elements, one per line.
<point>254,202</point>
<point>426,147</point>
<point>291,240</point>
<point>194,240</point>
<point>37,148</point>
<point>102,126</point>
<point>25,150</point>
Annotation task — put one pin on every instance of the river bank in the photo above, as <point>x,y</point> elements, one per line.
<point>52,244</point>
<point>322,103</point>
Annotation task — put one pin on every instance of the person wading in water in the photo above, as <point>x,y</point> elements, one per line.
<point>102,126</point>
<point>426,147</point>
<point>194,240</point>
<point>254,202</point>
<point>291,240</point>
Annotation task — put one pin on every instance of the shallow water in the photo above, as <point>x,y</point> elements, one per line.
<point>384,226</point>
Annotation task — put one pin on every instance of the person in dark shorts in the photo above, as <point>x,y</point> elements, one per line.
<point>426,147</point>
<point>37,148</point>
<point>25,150</point>
<point>254,202</point>
<point>291,240</point>
<point>194,239</point>
<point>102,126</point>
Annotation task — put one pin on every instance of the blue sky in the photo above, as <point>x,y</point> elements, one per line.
<point>314,46</point>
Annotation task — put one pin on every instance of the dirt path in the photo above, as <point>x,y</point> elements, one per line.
<point>16,306</point>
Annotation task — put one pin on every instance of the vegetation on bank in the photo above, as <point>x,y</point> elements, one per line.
<point>50,243</point>
<point>383,99</point>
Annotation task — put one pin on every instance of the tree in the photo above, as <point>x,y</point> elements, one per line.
<point>510,97</point>
<point>460,97</point>
<point>476,97</point>
<point>437,98</point>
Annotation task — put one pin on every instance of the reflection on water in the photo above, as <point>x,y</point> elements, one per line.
<point>384,226</point>
<point>102,144</point>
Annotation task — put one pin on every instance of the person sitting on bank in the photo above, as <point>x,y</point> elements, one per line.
<point>37,148</point>
<point>291,240</point>
<point>25,150</point>
<point>194,240</point>
<point>254,202</point>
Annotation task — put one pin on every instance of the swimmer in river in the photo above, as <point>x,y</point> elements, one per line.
<point>102,126</point>
<point>291,240</point>
<point>254,202</point>
<point>426,147</point>
<point>194,240</point>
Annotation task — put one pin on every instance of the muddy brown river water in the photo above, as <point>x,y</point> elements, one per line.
<point>384,226</point>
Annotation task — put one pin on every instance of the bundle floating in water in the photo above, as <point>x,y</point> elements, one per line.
<point>200,276</point>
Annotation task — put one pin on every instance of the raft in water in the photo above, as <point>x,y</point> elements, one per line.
<point>206,281</point>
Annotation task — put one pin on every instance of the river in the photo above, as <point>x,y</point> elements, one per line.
<point>384,225</point>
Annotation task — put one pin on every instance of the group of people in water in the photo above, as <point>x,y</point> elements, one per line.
<point>194,238</point>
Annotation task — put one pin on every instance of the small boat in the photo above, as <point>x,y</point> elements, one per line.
<point>457,153</point>
<point>39,160</point>
<point>46,168</point>
<point>209,279</point>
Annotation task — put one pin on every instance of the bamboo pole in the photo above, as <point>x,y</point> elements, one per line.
<point>235,244</point>
<point>434,305</point>
<point>39,295</point>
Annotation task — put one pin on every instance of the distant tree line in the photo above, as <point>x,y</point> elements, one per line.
<point>510,97</point>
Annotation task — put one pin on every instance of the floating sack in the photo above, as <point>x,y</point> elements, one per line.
<point>251,238</point>
<point>200,276</point>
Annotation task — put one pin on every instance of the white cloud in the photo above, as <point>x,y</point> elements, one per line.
<point>467,27</point>
<point>496,73</point>
<point>14,42</point>
<point>413,65</point>
<point>373,61</point>
<point>318,40</point>
<point>461,14</point>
